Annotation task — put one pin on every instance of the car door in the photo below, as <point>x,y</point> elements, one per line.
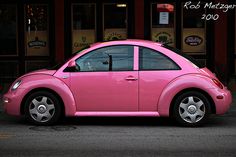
<point>156,70</point>
<point>105,80</point>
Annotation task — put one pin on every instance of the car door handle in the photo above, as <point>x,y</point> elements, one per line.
<point>131,78</point>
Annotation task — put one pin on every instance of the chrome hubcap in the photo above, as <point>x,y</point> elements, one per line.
<point>41,109</point>
<point>192,109</point>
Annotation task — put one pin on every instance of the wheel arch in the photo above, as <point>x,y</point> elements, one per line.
<point>212,103</point>
<point>62,104</point>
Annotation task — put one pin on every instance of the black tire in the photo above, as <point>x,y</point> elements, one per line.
<point>191,108</point>
<point>42,105</point>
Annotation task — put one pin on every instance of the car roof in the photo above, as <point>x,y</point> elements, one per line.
<point>137,42</point>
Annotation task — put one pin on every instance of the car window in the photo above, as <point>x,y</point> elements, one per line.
<point>152,60</point>
<point>189,58</point>
<point>112,58</point>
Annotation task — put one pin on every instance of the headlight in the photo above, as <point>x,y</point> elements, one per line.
<point>16,85</point>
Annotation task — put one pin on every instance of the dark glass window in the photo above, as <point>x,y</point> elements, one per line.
<point>153,60</point>
<point>186,56</point>
<point>84,25</point>
<point>193,30</point>
<point>115,16</point>
<point>83,16</point>
<point>114,21</point>
<point>114,58</point>
<point>8,31</point>
<point>37,29</point>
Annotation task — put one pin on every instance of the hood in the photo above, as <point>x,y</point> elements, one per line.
<point>42,71</point>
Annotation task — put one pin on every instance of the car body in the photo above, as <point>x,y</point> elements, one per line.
<point>120,78</point>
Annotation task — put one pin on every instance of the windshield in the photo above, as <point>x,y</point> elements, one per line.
<point>58,65</point>
<point>189,58</point>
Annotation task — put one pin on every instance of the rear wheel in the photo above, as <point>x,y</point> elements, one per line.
<point>42,108</point>
<point>191,108</point>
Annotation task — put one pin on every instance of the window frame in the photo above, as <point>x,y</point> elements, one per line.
<point>133,59</point>
<point>162,54</point>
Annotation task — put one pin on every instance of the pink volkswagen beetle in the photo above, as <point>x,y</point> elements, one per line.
<point>120,78</point>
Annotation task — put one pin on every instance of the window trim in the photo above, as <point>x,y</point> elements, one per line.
<point>133,69</point>
<point>139,61</point>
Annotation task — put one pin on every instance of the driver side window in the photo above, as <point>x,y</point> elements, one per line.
<point>113,58</point>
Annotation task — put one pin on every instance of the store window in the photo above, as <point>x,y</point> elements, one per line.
<point>83,26</point>
<point>193,31</point>
<point>163,23</point>
<point>36,30</point>
<point>115,21</point>
<point>8,30</point>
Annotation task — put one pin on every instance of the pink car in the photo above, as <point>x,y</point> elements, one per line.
<point>120,78</point>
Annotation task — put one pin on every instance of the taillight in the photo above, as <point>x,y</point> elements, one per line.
<point>218,83</point>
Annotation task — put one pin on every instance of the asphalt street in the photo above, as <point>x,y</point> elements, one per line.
<point>116,137</point>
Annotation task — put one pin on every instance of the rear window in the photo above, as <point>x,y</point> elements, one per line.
<point>189,58</point>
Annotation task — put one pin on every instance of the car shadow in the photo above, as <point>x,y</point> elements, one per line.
<point>213,121</point>
<point>119,121</point>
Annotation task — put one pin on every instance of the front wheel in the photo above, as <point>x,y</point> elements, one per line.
<point>191,108</point>
<point>42,108</point>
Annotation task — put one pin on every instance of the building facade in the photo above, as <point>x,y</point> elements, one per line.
<point>39,33</point>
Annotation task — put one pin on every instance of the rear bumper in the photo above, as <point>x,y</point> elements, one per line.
<point>222,99</point>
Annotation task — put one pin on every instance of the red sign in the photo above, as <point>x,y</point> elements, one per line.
<point>165,7</point>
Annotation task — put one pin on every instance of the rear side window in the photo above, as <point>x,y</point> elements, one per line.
<point>189,58</point>
<point>153,60</point>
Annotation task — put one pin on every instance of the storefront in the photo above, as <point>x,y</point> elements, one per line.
<point>39,33</point>
<point>26,37</point>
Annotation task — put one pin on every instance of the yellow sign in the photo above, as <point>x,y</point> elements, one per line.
<point>193,40</point>
<point>82,38</point>
<point>163,35</point>
<point>115,34</point>
<point>37,43</point>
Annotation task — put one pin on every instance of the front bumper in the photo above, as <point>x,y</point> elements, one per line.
<point>12,102</point>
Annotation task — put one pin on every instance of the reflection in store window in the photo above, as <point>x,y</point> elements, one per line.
<point>36,30</point>
<point>163,23</point>
<point>193,31</point>
<point>115,21</point>
<point>8,29</point>
<point>84,27</point>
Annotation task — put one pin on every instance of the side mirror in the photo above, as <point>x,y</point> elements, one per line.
<point>71,67</point>
<point>71,64</point>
